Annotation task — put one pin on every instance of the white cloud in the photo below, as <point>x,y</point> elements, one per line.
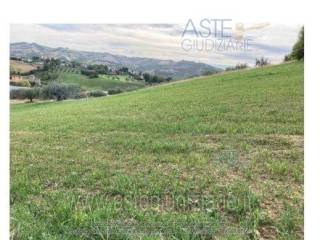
<point>161,41</point>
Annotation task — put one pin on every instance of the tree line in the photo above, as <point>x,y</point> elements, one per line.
<point>297,52</point>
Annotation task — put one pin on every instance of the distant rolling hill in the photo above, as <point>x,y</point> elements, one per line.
<point>165,68</point>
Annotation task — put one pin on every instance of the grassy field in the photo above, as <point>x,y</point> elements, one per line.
<point>215,156</point>
<point>103,82</point>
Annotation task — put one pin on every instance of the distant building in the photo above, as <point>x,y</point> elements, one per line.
<point>15,78</point>
<point>34,81</point>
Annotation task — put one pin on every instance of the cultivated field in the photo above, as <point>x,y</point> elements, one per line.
<point>21,67</point>
<point>215,156</point>
<point>103,82</point>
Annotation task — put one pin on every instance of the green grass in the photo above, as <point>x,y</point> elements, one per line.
<point>215,156</point>
<point>103,82</point>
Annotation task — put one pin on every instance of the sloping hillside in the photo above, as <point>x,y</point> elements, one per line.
<point>165,68</point>
<point>215,156</point>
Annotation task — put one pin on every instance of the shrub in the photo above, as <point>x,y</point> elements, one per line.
<point>241,66</point>
<point>17,94</point>
<point>123,70</point>
<point>262,62</point>
<point>89,73</point>
<point>32,93</point>
<point>60,91</point>
<point>97,93</point>
<point>114,91</point>
<point>237,67</point>
<point>47,76</point>
<point>23,93</point>
<point>148,78</point>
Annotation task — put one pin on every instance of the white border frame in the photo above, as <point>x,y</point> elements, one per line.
<point>168,11</point>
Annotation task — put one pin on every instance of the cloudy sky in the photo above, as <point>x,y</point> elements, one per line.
<point>164,41</point>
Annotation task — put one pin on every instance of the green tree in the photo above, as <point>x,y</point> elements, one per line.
<point>297,52</point>
<point>262,61</point>
<point>60,91</point>
<point>147,77</point>
<point>31,93</point>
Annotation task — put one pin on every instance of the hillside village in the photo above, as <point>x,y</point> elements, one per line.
<point>90,79</point>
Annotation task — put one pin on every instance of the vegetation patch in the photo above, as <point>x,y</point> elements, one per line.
<point>154,163</point>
